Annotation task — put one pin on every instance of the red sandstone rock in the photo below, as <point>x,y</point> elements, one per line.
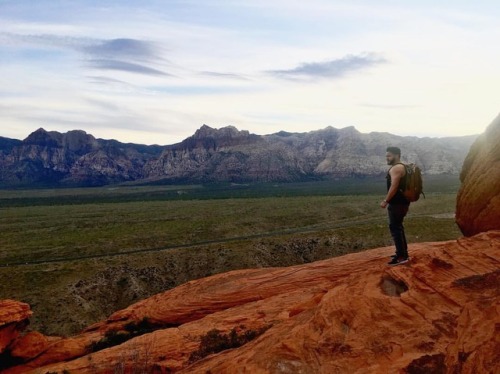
<point>29,346</point>
<point>350,314</point>
<point>478,201</point>
<point>59,350</point>
<point>13,319</point>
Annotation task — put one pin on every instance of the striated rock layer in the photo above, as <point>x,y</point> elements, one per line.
<point>478,201</point>
<point>350,314</point>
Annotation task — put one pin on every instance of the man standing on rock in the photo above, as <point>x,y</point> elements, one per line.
<point>397,205</point>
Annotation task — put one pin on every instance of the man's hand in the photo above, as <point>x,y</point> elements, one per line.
<point>384,204</point>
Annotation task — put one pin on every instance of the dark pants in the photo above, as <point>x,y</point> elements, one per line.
<point>397,213</point>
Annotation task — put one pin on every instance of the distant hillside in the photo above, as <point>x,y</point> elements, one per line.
<point>7,144</point>
<point>218,155</point>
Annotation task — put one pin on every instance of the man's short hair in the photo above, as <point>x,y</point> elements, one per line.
<point>394,150</point>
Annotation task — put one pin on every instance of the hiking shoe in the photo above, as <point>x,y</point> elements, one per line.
<point>396,256</point>
<point>398,261</point>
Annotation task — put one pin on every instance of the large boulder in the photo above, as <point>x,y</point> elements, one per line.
<point>478,201</point>
<point>29,346</point>
<point>14,317</point>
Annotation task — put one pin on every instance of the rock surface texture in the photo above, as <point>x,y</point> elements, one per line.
<point>478,201</point>
<point>14,317</point>
<point>350,314</point>
<point>218,155</point>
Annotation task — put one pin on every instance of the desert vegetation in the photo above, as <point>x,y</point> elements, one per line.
<point>116,337</point>
<point>215,341</point>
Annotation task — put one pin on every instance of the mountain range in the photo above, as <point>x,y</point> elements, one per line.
<point>75,158</point>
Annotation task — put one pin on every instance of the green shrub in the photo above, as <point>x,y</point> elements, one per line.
<point>144,326</point>
<point>116,337</point>
<point>215,341</point>
<point>110,339</point>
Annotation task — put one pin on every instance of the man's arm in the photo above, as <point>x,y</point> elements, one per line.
<point>397,172</point>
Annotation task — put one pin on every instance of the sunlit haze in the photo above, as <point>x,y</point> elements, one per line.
<point>155,71</point>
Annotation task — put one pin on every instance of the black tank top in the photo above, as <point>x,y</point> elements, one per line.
<point>398,198</point>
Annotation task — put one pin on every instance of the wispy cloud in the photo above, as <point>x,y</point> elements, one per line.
<point>123,54</point>
<point>105,80</point>
<point>123,48</point>
<point>47,40</point>
<point>102,104</point>
<point>223,75</point>
<point>199,90</point>
<point>125,66</point>
<point>330,69</point>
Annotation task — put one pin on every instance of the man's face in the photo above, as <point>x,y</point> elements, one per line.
<point>391,158</point>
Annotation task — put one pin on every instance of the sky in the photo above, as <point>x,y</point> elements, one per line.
<point>154,71</point>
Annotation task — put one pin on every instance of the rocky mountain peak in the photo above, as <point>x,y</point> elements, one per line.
<point>78,141</point>
<point>43,138</point>
<point>74,141</point>
<point>230,132</point>
<point>347,130</point>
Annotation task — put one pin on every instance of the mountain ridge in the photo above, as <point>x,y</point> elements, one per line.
<point>226,154</point>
